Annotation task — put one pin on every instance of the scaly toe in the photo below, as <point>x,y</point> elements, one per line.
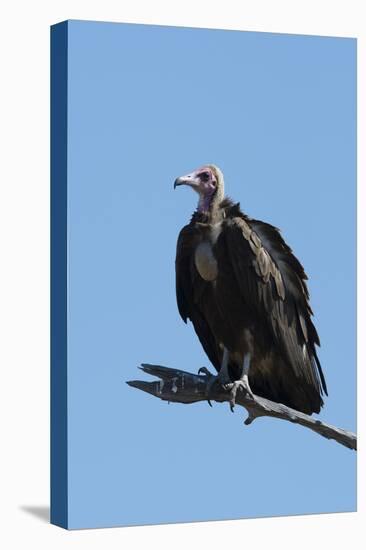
<point>234,387</point>
<point>233,393</point>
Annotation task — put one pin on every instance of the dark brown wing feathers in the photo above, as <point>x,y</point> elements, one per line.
<point>189,287</point>
<point>272,283</point>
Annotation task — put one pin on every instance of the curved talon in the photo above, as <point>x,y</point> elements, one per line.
<point>211,380</point>
<point>227,385</point>
<point>205,371</point>
<point>243,383</point>
<point>232,399</point>
<point>210,383</point>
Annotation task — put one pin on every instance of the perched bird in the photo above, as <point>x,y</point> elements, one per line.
<point>245,293</point>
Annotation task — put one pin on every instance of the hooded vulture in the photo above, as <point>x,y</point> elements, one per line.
<point>246,295</point>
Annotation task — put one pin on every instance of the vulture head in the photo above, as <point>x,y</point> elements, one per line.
<point>208,182</point>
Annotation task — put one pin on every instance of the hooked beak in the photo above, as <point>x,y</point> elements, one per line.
<point>190,179</point>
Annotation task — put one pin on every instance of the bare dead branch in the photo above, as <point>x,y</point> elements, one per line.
<point>183,387</point>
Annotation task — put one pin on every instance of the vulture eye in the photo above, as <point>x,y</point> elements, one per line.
<point>205,176</point>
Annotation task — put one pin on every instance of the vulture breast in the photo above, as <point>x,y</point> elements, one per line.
<point>204,258</point>
<point>205,261</point>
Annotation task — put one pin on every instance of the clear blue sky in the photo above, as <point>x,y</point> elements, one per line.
<point>277,113</point>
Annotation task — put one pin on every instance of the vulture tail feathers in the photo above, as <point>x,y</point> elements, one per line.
<point>321,374</point>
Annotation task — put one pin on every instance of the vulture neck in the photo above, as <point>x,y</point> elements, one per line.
<point>209,206</point>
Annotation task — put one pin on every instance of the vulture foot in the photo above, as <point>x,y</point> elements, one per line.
<point>243,384</point>
<point>212,379</point>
